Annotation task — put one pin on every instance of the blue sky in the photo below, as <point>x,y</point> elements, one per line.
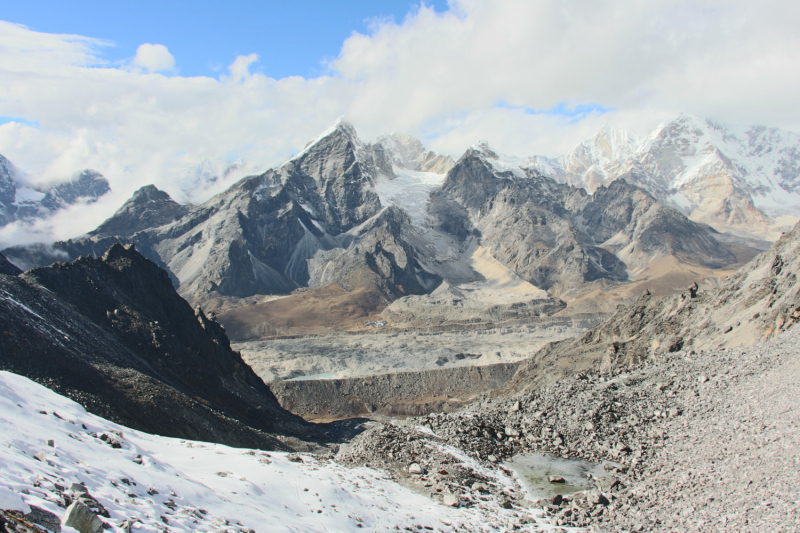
<point>290,37</point>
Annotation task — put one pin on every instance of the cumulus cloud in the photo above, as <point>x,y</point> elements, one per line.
<point>153,57</point>
<point>502,71</point>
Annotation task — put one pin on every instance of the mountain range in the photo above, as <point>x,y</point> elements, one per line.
<point>745,180</point>
<point>360,225</point>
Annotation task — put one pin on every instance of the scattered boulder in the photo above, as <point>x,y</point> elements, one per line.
<point>451,500</point>
<point>44,518</point>
<point>80,517</point>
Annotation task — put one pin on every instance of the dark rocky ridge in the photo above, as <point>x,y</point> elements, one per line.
<point>147,208</point>
<point>8,268</point>
<point>112,334</point>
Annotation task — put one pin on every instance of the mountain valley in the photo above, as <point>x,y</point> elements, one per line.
<point>347,233</point>
<point>401,331</point>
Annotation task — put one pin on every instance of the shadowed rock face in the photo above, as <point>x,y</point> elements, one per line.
<point>761,300</point>
<point>8,268</point>
<point>558,237</point>
<point>112,334</point>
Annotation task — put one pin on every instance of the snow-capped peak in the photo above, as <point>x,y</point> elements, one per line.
<point>727,176</point>
<point>501,163</point>
<point>340,126</point>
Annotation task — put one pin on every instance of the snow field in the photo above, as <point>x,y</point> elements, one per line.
<point>194,486</point>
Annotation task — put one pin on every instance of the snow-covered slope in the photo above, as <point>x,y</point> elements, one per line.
<point>405,151</point>
<point>410,190</point>
<point>739,179</point>
<point>164,484</point>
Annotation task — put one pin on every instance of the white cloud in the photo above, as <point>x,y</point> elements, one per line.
<point>153,57</point>
<point>240,68</point>
<point>439,76</point>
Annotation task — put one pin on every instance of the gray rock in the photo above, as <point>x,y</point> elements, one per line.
<point>44,518</point>
<point>80,517</point>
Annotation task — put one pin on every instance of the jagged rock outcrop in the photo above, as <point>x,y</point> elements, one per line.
<point>112,334</point>
<point>761,300</point>
<point>8,268</point>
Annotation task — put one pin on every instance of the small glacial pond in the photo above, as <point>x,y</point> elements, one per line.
<point>534,470</point>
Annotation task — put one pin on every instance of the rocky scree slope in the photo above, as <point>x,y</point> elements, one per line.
<point>759,301</point>
<point>559,237</point>
<point>112,334</point>
<point>690,441</point>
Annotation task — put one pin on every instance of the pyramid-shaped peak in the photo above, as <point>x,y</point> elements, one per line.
<point>340,128</point>
<point>148,193</point>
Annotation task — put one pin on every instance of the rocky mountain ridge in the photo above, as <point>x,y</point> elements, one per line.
<point>112,334</point>
<point>319,219</point>
<point>743,180</point>
<point>760,301</point>
<point>559,237</point>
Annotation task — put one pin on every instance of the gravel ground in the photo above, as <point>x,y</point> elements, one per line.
<point>703,441</point>
<point>733,462</point>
